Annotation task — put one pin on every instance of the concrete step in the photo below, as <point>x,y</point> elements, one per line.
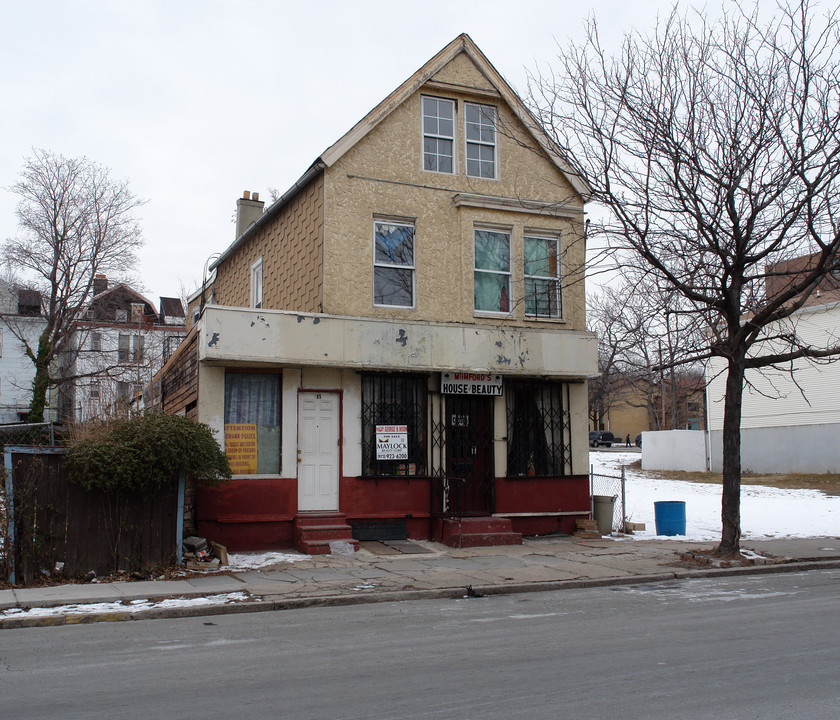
<point>331,518</point>
<point>325,532</point>
<point>314,532</point>
<point>478,532</point>
<point>484,539</point>
<point>318,546</point>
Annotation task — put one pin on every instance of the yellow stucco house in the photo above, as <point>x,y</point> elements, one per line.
<point>395,342</point>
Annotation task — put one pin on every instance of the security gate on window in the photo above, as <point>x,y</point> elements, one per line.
<point>469,482</point>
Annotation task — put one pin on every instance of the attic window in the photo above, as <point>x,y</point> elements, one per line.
<point>438,134</point>
<point>121,315</point>
<point>480,131</point>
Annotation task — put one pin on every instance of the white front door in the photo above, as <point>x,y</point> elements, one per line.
<point>317,451</point>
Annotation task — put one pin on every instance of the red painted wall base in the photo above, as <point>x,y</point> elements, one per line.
<point>258,513</point>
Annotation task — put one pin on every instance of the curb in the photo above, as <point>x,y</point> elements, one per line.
<point>12,623</point>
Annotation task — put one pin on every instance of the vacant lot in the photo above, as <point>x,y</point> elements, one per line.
<point>829,484</point>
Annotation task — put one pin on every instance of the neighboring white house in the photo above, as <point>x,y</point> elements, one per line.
<point>120,341</point>
<point>20,317</point>
<point>790,418</point>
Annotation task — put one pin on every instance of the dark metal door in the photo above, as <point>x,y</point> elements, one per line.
<point>469,454</point>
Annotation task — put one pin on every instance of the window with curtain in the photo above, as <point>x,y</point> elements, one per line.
<point>252,417</point>
<point>492,271</point>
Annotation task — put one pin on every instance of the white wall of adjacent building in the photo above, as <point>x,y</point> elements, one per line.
<point>16,369</point>
<point>790,419</point>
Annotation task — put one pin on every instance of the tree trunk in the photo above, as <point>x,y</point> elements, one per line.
<point>41,382</point>
<point>731,497</point>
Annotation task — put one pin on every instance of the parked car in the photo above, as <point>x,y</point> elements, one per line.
<point>639,440</point>
<point>601,438</point>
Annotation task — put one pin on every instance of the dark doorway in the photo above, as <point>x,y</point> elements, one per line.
<point>469,454</point>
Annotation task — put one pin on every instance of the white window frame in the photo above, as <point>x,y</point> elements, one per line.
<point>396,266</point>
<point>481,143</point>
<point>544,278</point>
<point>506,273</point>
<point>436,136</point>
<point>96,342</point>
<point>257,283</point>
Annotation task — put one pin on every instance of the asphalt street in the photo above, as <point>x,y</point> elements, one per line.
<point>757,646</point>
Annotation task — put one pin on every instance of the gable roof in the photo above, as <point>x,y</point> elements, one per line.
<point>461,44</point>
<point>128,293</point>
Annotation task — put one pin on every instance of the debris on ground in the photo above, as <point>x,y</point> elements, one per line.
<point>712,558</point>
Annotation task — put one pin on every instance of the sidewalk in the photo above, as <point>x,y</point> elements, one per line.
<point>379,573</point>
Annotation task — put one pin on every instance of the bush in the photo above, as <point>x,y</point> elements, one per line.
<point>144,453</point>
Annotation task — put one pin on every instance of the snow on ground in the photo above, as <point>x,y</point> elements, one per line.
<point>766,512</point>
<point>255,560</point>
<point>112,607</point>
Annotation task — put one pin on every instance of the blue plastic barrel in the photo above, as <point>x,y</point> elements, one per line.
<point>670,517</point>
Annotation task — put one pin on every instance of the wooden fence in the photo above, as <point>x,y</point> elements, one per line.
<point>56,525</point>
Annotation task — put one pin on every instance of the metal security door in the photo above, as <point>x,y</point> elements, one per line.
<point>469,454</point>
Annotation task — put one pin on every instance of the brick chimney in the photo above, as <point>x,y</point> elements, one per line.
<point>100,284</point>
<point>249,208</point>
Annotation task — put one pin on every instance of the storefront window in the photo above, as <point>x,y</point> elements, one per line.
<point>394,402</point>
<point>252,423</point>
<point>539,433</point>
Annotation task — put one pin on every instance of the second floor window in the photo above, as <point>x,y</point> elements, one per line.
<point>257,284</point>
<point>438,134</point>
<point>542,277</point>
<point>480,130</point>
<point>393,264</point>
<point>96,342</point>
<point>492,271</point>
<point>130,348</point>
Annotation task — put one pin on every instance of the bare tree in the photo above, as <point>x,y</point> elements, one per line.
<point>76,222</point>
<point>645,350</point>
<point>714,146</point>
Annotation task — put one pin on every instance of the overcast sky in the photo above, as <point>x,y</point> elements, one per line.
<point>194,102</point>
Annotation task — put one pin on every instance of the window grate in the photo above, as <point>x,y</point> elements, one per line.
<point>394,400</point>
<point>539,429</point>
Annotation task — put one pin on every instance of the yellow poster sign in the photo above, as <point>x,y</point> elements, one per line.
<point>241,447</point>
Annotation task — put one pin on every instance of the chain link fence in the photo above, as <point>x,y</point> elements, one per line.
<point>605,490</point>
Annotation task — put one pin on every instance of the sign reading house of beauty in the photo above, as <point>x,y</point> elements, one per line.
<point>468,383</point>
<point>241,447</point>
<point>392,442</point>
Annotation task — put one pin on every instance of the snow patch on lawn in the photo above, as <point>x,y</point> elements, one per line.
<point>766,512</point>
